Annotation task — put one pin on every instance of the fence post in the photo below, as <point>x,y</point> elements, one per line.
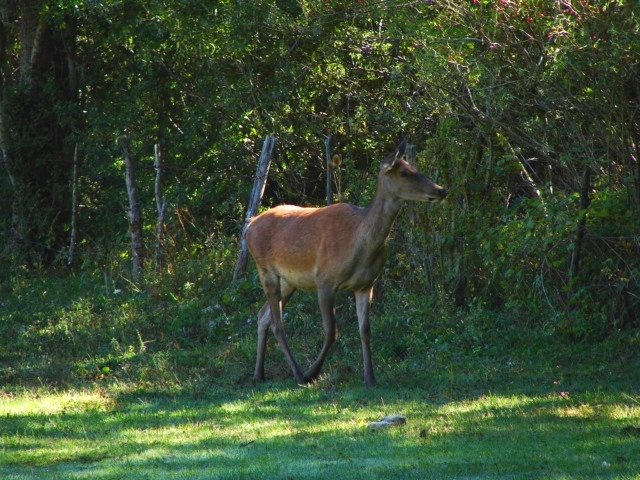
<point>161,203</point>
<point>74,208</point>
<point>254,203</point>
<point>135,216</point>
<point>328,150</point>
<point>410,155</point>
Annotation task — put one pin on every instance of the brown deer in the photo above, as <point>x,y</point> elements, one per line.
<point>338,247</point>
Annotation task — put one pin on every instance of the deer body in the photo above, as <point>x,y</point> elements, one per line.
<point>338,247</point>
<point>317,246</point>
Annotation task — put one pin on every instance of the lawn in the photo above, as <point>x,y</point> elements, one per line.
<point>125,388</point>
<point>281,431</point>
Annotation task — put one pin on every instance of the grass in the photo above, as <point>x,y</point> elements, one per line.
<point>156,385</point>
<point>279,431</point>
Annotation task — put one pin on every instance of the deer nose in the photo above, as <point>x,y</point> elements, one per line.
<point>442,192</point>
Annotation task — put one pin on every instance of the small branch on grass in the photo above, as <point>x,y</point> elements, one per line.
<point>629,397</point>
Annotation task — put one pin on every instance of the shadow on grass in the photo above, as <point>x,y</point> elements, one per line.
<point>312,432</point>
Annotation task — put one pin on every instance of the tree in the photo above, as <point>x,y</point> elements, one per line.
<point>39,115</point>
<point>525,111</point>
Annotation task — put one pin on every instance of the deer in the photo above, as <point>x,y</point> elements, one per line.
<point>327,249</point>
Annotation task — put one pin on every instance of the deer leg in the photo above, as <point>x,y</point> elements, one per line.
<point>264,320</point>
<point>278,293</point>
<point>269,316</point>
<point>363,306</point>
<point>326,298</point>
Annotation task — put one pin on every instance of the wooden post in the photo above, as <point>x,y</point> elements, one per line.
<point>410,155</point>
<point>161,204</point>
<point>74,208</point>
<point>134,214</point>
<point>328,151</point>
<point>585,201</point>
<point>256,197</point>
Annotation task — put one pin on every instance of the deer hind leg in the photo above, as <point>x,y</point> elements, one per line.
<point>363,305</point>
<point>326,300</point>
<point>264,320</point>
<point>278,293</point>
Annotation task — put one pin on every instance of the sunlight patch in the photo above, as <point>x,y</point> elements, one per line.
<point>51,404</point>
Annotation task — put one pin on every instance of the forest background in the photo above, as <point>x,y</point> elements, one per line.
<point>526,111</point>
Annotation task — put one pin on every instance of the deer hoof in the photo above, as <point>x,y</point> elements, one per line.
<point>310,377</point>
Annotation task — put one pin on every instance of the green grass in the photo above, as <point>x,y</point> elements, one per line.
<point>276,431</point>
<point>155,383</point>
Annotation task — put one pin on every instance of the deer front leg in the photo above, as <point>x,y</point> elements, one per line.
<point>326,298</point>
<point>363,306</point>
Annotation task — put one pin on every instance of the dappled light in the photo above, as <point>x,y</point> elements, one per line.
<point>306,429</point>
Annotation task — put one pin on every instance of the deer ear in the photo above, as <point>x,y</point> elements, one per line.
<point>401,148</point>
<point>389,162</point>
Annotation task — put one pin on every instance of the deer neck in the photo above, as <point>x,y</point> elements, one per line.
<point>379,218</point>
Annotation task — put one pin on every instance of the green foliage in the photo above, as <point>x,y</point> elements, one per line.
<point>512,105</point>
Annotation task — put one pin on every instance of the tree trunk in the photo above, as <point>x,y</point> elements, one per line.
<point>36,138</point>
<point>32,30</point>
<point>18,217</point>
<point>256,197</point>
<point>574,266</point>
<point>74,208</point>
<point>161,204</point>
<point>135,216</point>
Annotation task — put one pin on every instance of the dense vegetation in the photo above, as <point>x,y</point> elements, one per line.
<point>528,112</point>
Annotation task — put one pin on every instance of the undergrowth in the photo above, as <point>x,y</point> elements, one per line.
<point>192,327</point>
